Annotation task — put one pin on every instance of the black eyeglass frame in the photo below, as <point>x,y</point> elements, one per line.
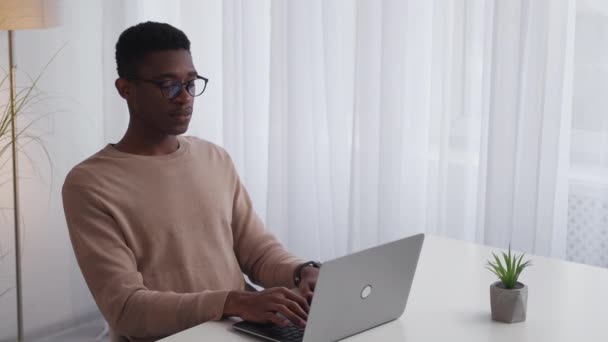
<point>165,89</point>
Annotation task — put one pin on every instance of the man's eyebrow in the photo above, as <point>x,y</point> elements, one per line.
<point>173,75</point>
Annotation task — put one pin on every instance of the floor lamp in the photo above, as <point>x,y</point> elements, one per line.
<point>21,15</point>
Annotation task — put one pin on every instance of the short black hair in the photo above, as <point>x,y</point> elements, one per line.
<point>137,41</point>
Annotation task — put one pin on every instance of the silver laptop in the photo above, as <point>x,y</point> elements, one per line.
<point>354,293</point>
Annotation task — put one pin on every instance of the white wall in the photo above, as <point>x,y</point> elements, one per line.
<point>54,291</point>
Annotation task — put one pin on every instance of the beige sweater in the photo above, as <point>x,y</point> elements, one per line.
<point>161,240</point>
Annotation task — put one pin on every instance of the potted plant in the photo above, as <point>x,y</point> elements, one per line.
<point>508,297</point>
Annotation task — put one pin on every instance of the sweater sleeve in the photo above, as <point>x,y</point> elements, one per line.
<point>261,256</point>
<point>110,270</point>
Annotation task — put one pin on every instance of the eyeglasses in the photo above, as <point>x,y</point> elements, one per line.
<point>172,89</point>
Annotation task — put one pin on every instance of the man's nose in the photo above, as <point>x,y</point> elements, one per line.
<point>183,96</point>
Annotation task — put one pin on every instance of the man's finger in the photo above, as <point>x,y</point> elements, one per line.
<point>296,308</point>
<point>312,285</point>
<point>298,299</point>
<point>278,320</point>
<point>307,294</point>
<point>285,311</point>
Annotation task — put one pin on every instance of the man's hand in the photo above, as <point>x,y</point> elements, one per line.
<point>276,305</point>
<point>309,281</point>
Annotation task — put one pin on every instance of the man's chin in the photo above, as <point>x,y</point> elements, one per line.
<point>178,130</point>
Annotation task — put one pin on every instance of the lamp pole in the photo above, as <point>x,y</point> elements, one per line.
<point>16,211</point>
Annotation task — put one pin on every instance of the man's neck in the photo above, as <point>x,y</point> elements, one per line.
<point>134,142</point>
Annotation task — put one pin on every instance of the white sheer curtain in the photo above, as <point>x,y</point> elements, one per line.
<point>588,193</point>
<point>382,119</point>
<point>351,122</point>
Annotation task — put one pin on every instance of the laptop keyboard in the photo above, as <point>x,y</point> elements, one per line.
<point>289,333</point>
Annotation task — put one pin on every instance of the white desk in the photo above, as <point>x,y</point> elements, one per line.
<point>450,301</point>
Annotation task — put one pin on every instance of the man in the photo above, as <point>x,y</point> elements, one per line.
<point>161,225</point>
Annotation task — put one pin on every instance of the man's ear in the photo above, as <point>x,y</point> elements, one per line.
<point>124,88</point>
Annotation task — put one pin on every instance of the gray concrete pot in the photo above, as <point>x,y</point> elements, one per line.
<point>508,305</point>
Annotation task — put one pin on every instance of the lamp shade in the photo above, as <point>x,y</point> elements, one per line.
<point>28,14</point>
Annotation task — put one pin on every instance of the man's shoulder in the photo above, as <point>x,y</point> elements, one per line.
<point>85,172</point>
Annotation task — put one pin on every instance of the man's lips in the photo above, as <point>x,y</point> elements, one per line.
<point>182,117</point>
<point>182,113</point>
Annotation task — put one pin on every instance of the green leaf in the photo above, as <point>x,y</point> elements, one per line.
<point>499,265</point>
<point>508,267</point>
